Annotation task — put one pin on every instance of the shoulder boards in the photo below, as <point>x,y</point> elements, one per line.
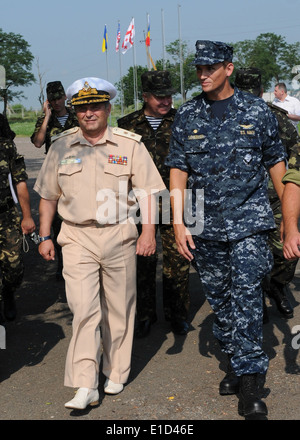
<point>126,133</point>
<point>64,133</point>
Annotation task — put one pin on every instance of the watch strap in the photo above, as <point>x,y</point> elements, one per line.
<point>41,239</point>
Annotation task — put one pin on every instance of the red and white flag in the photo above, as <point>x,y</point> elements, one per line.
<point>129,36</point>
<point>118,38</point>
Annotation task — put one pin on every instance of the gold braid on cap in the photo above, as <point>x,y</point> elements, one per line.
<point>87,95</point>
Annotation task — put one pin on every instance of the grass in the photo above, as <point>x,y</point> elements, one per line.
<point>23,129</point>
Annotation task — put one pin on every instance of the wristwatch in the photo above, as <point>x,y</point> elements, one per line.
<point>48,237</point>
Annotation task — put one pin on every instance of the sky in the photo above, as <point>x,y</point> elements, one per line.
<point>65,37</point>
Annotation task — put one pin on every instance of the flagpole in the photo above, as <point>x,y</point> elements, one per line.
<point>106,66</point>
<point>134,78</point>
<point>180,52</point>
<point>120,65</point>
<point>147,48</point>
<point>163,37</point>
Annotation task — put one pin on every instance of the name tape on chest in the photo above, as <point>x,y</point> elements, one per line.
<point>247,129</point>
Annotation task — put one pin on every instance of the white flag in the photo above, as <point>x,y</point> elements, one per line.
<point>128,39</point>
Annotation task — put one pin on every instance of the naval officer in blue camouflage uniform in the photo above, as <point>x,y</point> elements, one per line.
<point>223,142</point>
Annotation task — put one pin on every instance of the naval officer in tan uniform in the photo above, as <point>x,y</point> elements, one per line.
<point>94,175</point>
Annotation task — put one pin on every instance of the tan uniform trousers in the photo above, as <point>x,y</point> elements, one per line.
<point>100,276</point>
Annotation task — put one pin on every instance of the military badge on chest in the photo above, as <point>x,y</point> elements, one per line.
<point>116,159</point>
<point>247,129</point>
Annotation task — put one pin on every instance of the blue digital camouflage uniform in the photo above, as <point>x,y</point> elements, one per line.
<point>229,159</point>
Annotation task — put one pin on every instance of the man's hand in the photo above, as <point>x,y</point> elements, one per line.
<point>27,225</point>
<point>146,243</point>
<point>291,246</point>
<point>46,250</point>
<point>47,109</point>
<point>183,240</point>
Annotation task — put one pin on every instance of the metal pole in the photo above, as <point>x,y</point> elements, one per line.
<point>163,38</point>
<point>180,54</point>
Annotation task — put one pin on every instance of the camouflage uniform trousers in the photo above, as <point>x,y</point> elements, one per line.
<point>175,280</point>
<point>283,270</point>
<point>231,274</point>
<point>11,262</point>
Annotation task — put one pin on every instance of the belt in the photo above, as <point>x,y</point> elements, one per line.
<point>6,206</point>
<point>93,223</point>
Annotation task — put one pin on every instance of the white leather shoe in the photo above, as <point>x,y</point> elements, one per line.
<point>83,398</point>
<point>112,388</point>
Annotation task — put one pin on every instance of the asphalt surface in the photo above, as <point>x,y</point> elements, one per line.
<point>173,378</point>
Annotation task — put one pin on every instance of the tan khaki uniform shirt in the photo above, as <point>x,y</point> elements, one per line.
<point>92,183</point>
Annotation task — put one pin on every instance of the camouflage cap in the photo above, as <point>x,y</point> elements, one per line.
<point>54,90</point>
<point>248,79</point>
<point>212,52</point>
<point>157,82</point>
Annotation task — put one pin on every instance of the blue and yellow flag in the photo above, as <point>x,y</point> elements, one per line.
<point>104,43</point>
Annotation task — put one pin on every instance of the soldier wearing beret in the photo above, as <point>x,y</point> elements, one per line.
<point>276,283</point>
<point>56,118</point>
<point>153,122</point>
<point>12,174</point>
<point>223,142</point>
<point>95,175</point>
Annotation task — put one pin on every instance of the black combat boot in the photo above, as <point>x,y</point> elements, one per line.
<point>250,404</point>
<point>9,303</point>
<point>230,383</point>
<point>279,293</point>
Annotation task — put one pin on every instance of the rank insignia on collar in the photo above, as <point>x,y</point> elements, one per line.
<point>118,160</point>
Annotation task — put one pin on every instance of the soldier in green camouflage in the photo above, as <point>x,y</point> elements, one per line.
<point>56,119</point>
<point>291,206</point>
<point>153,122</point>
<point>11,227</point>
<point>56,116</point>
<point>276,284</point>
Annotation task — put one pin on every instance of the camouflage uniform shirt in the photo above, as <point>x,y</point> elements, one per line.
<point>293,172</point>
<point>54,126</point>
<point>228,159</point>
<point>10,162</point>
<point>156,141</point>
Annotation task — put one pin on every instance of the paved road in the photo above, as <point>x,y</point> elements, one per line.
<point>173,378</point>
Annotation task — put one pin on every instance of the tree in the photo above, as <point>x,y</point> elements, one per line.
<point>189,72</point>
<point>128,85</point>
<point>17,59</point>
<point>271,54</point>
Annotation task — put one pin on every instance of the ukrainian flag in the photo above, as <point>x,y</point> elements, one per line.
<point>104,43</point>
